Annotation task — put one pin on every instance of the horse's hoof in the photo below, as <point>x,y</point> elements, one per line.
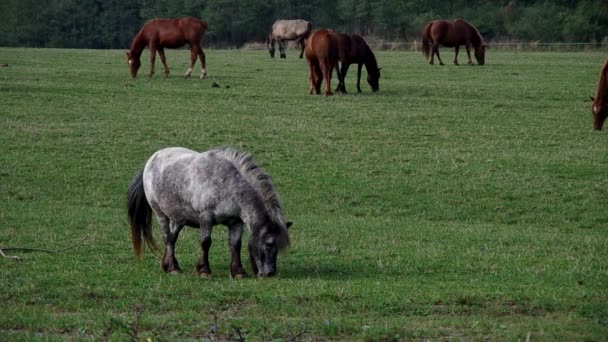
<point>174,272</point>
<point>239,276</point>
<point>205,275</point>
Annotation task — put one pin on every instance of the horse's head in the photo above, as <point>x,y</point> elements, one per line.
<point>480,54</point>
<point>134,64</point>
<point>270,45</point>
<point>600,113</point>
<point>373,78</point>
<point>264,248</point>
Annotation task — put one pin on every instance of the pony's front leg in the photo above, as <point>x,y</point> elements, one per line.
<point>282,48</point>
<point>202,268</point>
<point>359,67</point>
<point>302,47</point>
<point>192,61</point>
<point>152,60</point>
<point>170,232</point>
<point>161,53</point>
<point>456,49</point>
<point>468,47</point>
<point>235,232</point>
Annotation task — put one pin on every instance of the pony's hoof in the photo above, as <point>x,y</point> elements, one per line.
<point>205,275</point>
<point>174,272</point>
<point>165,75</point>
<point>239,276</point>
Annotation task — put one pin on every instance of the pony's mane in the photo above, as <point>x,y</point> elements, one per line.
<point>256,176</point>
<point>602,84</point>
<point>477,37</point>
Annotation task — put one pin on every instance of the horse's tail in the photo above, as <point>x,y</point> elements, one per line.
<point>140,215</point>
<point>426,39</point>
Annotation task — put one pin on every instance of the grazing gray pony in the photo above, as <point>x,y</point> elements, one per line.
<point>220,186</point>
<point>283,30</point>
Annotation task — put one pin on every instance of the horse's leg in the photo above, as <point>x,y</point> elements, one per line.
<point>318,78</point>
<point>468,47</point>
<point>193,55</point>
<point>152,59</point>
<point>170,232</point>
<point>202,268</point>
<point>456,54</point>
<point>235,232</point>
<point>302,46</point>
<point>282,48</point>
<point>201,56</point>
<point>341,71</point>
<point>311,77</point>
<point>436,51</point>
<point>161,53</point>
<point>359,67</point>
<point>327,71</point>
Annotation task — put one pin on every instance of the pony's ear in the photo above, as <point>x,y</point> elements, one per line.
<point>288,224</point>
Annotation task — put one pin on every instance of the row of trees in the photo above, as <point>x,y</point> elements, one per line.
<point>112,23</point>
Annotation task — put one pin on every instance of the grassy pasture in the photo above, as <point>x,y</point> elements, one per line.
<point>458,203</point>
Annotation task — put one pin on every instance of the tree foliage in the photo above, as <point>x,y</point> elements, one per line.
<point>112,23</point>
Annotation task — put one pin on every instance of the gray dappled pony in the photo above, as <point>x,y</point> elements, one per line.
<point>221,186</point>
<point>283,30</point>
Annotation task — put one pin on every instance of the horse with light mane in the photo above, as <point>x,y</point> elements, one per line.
<point>221,186</point>
<point>322,54</point>
<point>283,30</point>
<point>158,34</point>
<point>600,101</point>
<point>452,34</point>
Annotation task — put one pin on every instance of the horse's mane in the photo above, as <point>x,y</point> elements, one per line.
<point>258,178</point>
<point>602,85</point>
<point>476,38</point>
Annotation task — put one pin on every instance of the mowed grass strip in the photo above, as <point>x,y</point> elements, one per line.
<point>459,202</point>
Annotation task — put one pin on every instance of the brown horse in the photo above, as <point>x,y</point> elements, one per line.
<point>354,50</point>
<point>322,53</point>
<point>600,101</point>
<point>452,34</point>
<point>158,34</point>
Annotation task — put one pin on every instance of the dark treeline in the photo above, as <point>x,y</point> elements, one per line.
<point>112,23</point>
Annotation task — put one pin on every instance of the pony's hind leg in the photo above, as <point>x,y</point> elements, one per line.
<point>456,49</point>
<point>193,55</point>
<point>201,56</point>
<point>161,53</point>
<point>202,268</point>
<point>235,232</point>
<point>170,232</point>
<point>436,51</point>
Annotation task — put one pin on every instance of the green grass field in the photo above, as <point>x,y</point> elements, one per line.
<point>458,203</point>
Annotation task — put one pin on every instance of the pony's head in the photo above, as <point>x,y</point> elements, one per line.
<point>270,45</point>
<point>264,247</point>
<point>480,54</point>
<point>373,78</point>
<point>600,113</point>
<point>134,64</point>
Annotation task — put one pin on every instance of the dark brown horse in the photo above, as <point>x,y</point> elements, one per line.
<point>452,34</point>
<point>600,101</point>
<point>158,34</point>
<point>322,53</point>
<point>354,50</point>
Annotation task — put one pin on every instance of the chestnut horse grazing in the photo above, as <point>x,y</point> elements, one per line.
<point>282,30</point>
<point>221,186</point>
<point>354,50</point>
<point>322,54</point>
<point>600,101</point>
<point>452,34</point>
<point>158,34</point>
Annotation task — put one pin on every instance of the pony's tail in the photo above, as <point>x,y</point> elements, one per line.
<point>140,215</point>
<point>426,40</point>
